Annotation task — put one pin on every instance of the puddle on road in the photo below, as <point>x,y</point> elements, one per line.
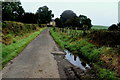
<point>75,60</point>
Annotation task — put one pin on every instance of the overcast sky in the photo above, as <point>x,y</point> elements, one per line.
<point>100,12</point>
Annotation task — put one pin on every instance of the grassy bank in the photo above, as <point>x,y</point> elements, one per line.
<point>12,30</point>
<point>16,36</point>
<point>105,74</point>
<point>81,46</point>
<point>77,45</point>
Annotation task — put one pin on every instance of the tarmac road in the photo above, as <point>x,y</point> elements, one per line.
<point>35,61</point>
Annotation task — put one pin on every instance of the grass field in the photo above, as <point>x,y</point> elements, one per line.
<point>99,27</point>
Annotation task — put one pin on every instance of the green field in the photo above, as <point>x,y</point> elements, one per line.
<point>99,27</point>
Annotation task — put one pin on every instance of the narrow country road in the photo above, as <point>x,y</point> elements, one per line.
<point>35,61</point>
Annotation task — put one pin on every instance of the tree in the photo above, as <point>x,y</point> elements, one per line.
<point>44,15</point>
<point>70,19</point>
<point>73,22</point>
<point>58,22</point>
<point>12,11</point>
<point>85,22</point>
<point>29,18</point>
<point>118,26</point>
<point>66,16</point>
<point>113,27</point>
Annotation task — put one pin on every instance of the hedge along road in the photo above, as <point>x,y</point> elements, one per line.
<point>35,61</point>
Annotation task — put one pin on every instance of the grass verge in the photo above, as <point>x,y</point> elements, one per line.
<point>12,50</point>
<point>105,74</point>
<point>88,50</point>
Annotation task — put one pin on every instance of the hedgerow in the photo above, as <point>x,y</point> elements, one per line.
<point>11,29</point>
<point>80,45</point>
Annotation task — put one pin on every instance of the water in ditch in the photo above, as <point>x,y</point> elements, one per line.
<point>76,61</point>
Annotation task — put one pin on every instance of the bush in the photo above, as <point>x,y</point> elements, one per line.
<point>7,39</point>
<point>17,28</point>
<point>12,29</point>
<point>113,27</point>
<point>108,38</point>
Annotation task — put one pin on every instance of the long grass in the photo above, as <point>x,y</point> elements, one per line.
<point>105,74</point>
<point>88,50</point>
<point>79,46</point>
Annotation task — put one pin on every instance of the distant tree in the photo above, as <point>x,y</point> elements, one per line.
<point>58,22</point>
<point>66,16</point>
<point>113,27</point>
<point>12,11</point>
<point>118,26</point>
<point>29,18</point>
<point>73,22</point>
<point>44,15</point>
<point>85,22</point>
<point>70,19</point>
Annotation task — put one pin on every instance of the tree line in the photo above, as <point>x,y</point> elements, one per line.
<point>114,27</point>
<point>69,19</point>
<point>13,11</point>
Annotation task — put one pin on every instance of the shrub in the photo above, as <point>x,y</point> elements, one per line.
<point>7,39</point>
<point>108,38</point>
<point>113,27</point>
<point>17,28</point>
<point>12,29</point>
